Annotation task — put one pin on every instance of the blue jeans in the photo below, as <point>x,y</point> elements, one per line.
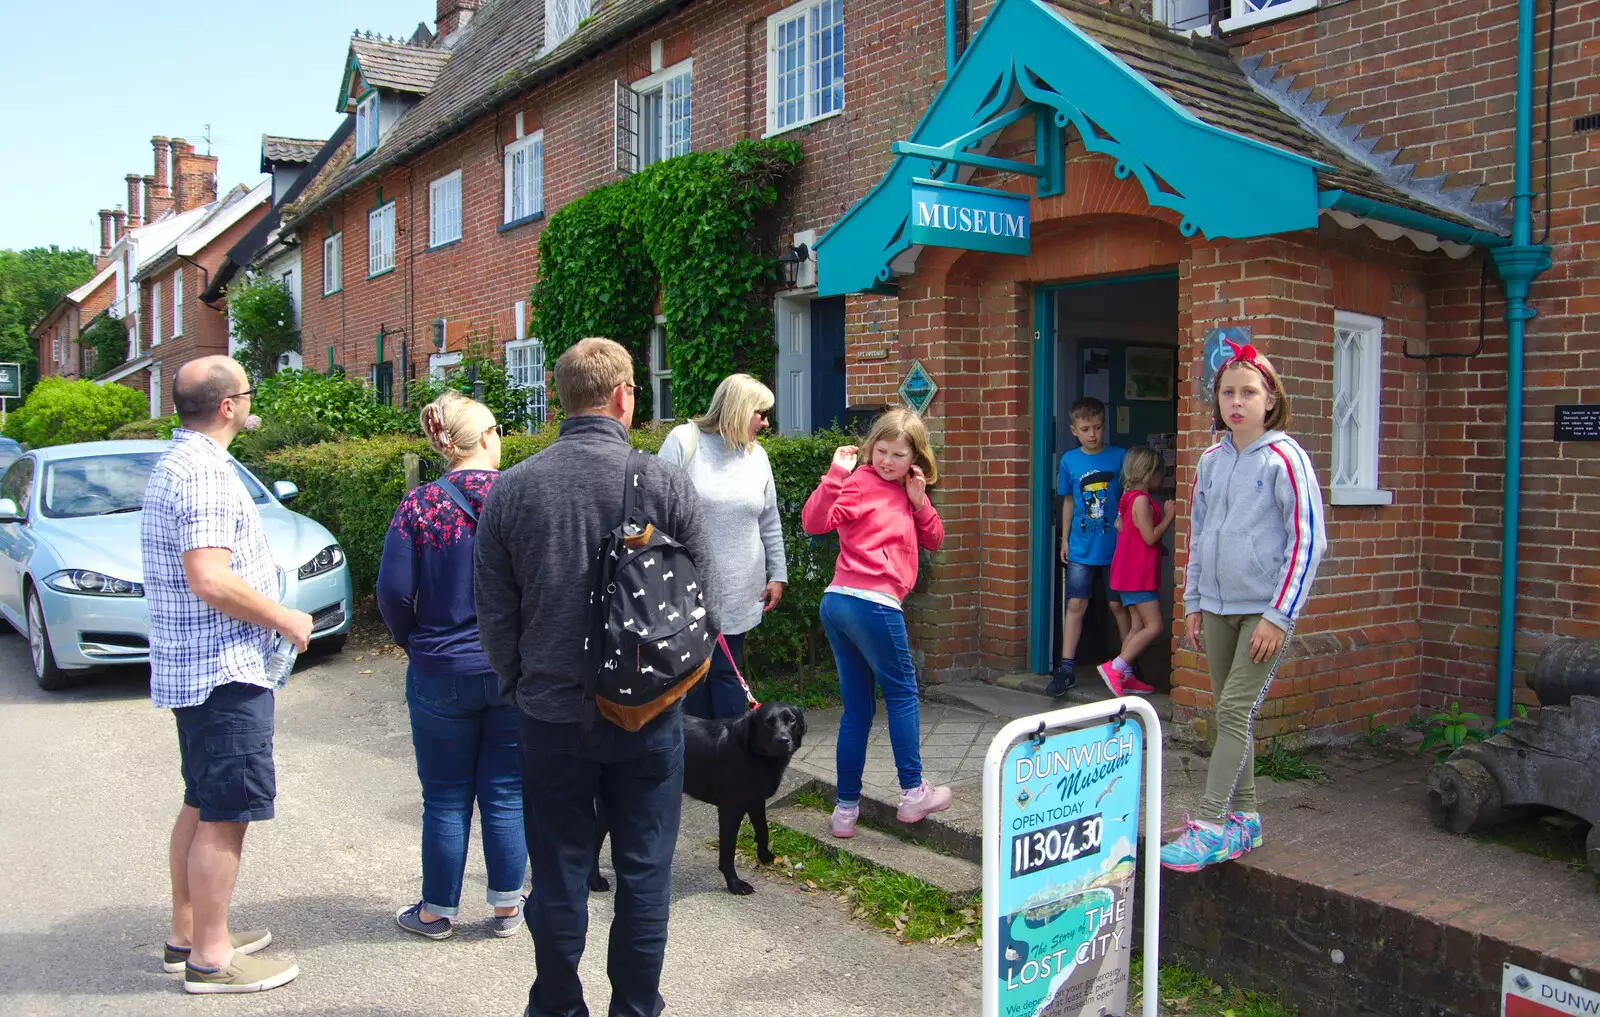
<point>719,694</point>
<point>869,643</point>
<point>638,778</point>
<point>465,735</point>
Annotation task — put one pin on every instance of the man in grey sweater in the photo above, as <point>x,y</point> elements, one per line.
<point>535,547</point>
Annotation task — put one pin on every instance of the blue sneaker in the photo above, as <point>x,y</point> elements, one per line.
<point>410,919</point>
<point>1196,847</point>
<point>1062,680</point>
<point>1251,824</point>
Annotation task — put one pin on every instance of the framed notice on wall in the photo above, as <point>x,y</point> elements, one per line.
<point>1147,374</point>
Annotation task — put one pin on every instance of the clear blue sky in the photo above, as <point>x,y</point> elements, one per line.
<point>88,82</point>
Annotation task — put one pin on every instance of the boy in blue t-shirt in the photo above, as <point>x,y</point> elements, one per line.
<point>1090,485</point>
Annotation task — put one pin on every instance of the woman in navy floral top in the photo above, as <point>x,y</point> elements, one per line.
<point>464,732</point>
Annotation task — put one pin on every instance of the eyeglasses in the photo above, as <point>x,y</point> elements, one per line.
<point>497,429</point>
<point>241,395</point>
<point>632,387</point>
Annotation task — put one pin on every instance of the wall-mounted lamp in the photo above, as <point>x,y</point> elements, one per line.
<point>790,262</point>
<point>438,334</point>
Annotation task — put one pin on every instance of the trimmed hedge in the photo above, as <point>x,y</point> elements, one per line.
<point>152,428</point>
<point>352,487</point>
<point>60,411</point>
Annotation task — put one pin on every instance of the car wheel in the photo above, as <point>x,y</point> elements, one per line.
<point>50,677</point>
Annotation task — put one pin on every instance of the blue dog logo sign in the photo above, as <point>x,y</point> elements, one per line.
<point>1069,828</point>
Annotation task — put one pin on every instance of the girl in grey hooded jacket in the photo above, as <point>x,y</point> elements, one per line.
<point>1256,536</point>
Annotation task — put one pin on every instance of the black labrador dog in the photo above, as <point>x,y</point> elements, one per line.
<point>735,764</point>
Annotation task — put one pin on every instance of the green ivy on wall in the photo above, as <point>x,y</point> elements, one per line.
<point>690,229</point>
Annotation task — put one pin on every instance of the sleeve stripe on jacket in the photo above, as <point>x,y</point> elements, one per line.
<point>1296,583</point>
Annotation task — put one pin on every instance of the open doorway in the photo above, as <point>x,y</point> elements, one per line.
<point>1116,341</point>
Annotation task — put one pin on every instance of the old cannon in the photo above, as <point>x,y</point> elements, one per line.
<point>1551,758</point>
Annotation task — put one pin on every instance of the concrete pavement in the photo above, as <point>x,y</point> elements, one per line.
<point>89,786</point>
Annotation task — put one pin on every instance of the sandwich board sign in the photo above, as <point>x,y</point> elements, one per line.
<point>1062,794</point>
<point>1525,993</point>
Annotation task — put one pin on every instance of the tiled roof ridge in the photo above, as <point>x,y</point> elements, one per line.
<point>1346,138</point>
<point>389,40</point>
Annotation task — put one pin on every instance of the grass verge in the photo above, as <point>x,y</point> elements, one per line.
<point>915,911</point>
<point>1188,993</point>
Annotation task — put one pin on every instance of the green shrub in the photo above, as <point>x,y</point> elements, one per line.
<point>353,486</point>
<point>342,404</point>
<point>146,429</point>
<point>59,411</point>
<point>261,311</point>
<point>507,401</point>
<point>253,447</point>
<point>108,337</point>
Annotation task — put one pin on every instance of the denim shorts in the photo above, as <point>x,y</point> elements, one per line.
<point>225,748</point>
<point>1139,597</point>
<point>1082,579</point>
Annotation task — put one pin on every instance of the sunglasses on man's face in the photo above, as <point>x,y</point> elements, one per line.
<point>241,395</point>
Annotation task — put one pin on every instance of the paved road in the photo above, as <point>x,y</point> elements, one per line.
<point>88,789</point>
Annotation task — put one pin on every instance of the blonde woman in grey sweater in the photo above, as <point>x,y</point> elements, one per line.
<point>747,572</point>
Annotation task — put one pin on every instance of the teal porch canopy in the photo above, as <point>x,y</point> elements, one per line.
<point>1029,59</point>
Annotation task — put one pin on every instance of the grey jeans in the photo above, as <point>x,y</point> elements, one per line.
<point>1238,688</point>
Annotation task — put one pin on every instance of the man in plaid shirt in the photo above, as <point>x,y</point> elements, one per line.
<point>212,587</point>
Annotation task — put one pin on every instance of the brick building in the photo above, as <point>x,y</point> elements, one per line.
<point>1331,176</point>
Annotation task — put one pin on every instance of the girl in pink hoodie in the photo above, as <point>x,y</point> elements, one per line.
<point>883,514</point>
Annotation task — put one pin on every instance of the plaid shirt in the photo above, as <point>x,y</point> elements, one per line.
<point>195,499</point>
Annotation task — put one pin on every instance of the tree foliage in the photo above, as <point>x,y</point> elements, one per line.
<point>60,410</point>
<point>261,311</point>
<point>31,281</point>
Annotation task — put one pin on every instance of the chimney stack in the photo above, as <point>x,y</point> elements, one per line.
<point>106,236</point>
<point>160,198</point>
<point>135,182</point>
<point>149,192</point>
<point>452,17</point>
<point>194,177</point>
<point>120,217</point>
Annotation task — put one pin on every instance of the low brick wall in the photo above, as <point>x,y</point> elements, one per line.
<point>1369,947</point>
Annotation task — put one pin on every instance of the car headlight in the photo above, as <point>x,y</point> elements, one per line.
<point>327,559</point>
<point>95,583</point>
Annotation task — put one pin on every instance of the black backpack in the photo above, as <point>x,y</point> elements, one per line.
<point>649,639</point>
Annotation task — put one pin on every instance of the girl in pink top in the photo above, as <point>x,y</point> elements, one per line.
<point>1136,566</point>
<point>883,515</point>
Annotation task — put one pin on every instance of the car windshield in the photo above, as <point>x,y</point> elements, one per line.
<point>109,484</point>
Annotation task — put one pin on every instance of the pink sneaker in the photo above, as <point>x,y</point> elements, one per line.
<point>920,801</point>
<point>1134,687</point>
<point>842,823</point>
<point>1115,680</point>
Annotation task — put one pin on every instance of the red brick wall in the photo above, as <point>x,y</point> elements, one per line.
<point>1436,79</point>
<point>205,329</point>
<point>894,66</point>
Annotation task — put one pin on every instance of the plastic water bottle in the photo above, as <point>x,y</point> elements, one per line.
<point>281,662</point>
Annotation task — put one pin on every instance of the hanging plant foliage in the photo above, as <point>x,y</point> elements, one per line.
<point>689,230</point>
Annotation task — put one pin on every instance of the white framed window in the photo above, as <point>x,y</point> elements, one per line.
<point>1196,15</point>
<point>660,372</point>
<point>1357,397</point>
<point>443,365</point>
<point>444,209</point>
<point>653,117</point>
<point>155,313</point>
<point>526,370</point>
<point>333,264</point>
<point>155,391</point>
<point>805,64</point>
<point>380,240</point>
<point>525,177</point>
<point>177,303</point>
<point>561,19</point>
<point>367,124</point>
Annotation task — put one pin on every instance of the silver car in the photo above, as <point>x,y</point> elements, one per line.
<point>71,570</point>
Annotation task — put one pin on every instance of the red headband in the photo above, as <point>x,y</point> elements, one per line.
<point>1247,356</point>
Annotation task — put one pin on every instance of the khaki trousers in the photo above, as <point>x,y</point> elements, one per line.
<point>1239,687</point>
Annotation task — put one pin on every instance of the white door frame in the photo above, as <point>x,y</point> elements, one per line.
<point>792,318</point>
